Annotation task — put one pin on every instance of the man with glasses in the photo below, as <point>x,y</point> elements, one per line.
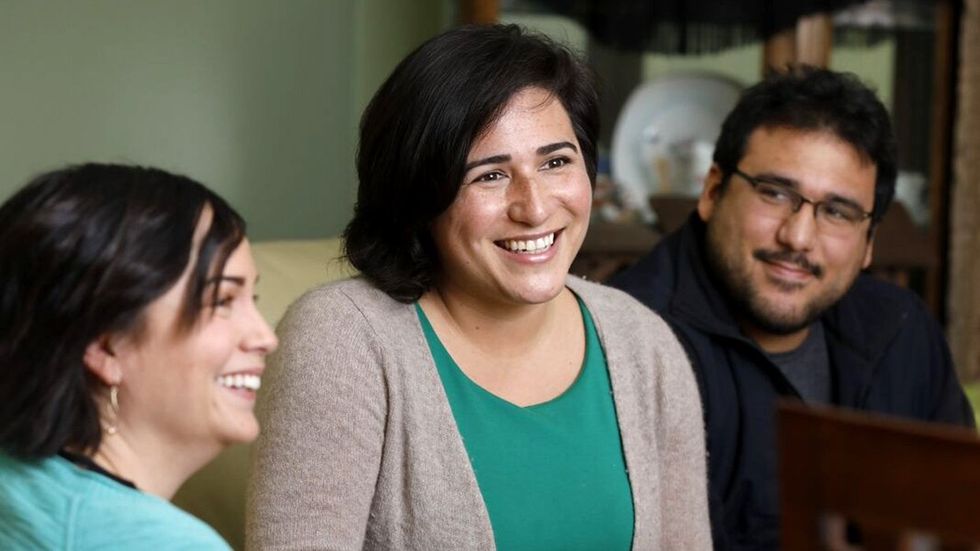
<point>763,287</point>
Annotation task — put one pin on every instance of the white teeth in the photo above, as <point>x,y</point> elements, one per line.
<point>538,245</point>
<point>240,380</point>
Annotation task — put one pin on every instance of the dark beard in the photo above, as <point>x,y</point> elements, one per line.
<point>744,298</point>
<point>772,323</point>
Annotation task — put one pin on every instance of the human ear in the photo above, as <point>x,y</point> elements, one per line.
<point>710,192</point>
<point>868,251</point>
<point>101,361</point>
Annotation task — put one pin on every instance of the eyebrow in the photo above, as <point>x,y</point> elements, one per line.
<point>834,198</point>
<point>791,183</point>
<point>217,280</point>
<point>552,147</point>
<point>543,150</point>
<point>487,161</point>
<point>777,179</point>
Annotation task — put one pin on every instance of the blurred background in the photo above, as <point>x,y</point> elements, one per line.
<point>260,99</point>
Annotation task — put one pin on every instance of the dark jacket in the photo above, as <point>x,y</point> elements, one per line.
<point>886,354</point>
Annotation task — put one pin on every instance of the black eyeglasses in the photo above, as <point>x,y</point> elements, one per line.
<point>832,216</point>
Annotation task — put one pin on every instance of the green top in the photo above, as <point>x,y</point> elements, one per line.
<point>552,475</point>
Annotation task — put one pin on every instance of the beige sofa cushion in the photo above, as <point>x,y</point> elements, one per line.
<point>287,269</point>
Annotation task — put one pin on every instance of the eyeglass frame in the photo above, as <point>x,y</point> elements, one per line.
<point>798,199</point>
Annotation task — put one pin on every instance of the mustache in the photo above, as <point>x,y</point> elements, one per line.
<point>789,257</point>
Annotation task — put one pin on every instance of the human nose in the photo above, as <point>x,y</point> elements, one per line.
<point>528,203</point>
<point>259,336</point>
<point>799,228</point>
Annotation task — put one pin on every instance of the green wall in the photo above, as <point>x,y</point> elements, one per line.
<point>387,30</point>
<point>259,99</point>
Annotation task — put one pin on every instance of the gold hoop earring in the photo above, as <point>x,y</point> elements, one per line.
<point>111,429</point>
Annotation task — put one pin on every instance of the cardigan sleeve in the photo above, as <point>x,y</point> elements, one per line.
<point>322,410</point>
<point>684,460</point>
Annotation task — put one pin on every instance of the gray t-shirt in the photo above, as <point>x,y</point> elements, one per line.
<point>808,367</point>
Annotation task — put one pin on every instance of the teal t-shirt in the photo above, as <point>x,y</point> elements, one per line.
<point>54,504</point>
<point>552,475</point>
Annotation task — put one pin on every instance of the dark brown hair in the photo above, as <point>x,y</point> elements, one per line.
<point>418,130</point>
<point>83,251</point>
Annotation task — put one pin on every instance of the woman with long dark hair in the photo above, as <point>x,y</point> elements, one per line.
<point>465,392</point>
<point>130,354</point>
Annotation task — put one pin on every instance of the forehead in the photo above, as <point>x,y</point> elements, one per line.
<point>530,118</point>
<point>241,263</point>
<point>818,162</point>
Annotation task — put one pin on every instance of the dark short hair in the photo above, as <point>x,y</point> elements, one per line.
<point>418,130</point>
<point>83,251</point>
<point>808,98</point>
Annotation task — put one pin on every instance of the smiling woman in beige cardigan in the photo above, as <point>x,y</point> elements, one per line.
<point>465,392</point>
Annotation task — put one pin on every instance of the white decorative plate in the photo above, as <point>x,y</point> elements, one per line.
<point>665,136</point>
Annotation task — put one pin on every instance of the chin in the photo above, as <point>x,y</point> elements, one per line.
<point>540,294</point>
<point>241,432</point>
<point>782,321</point>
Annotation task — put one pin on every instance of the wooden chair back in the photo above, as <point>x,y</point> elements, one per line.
<point>903,485</point>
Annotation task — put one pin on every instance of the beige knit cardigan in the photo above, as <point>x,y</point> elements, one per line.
<point>359,448</point>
